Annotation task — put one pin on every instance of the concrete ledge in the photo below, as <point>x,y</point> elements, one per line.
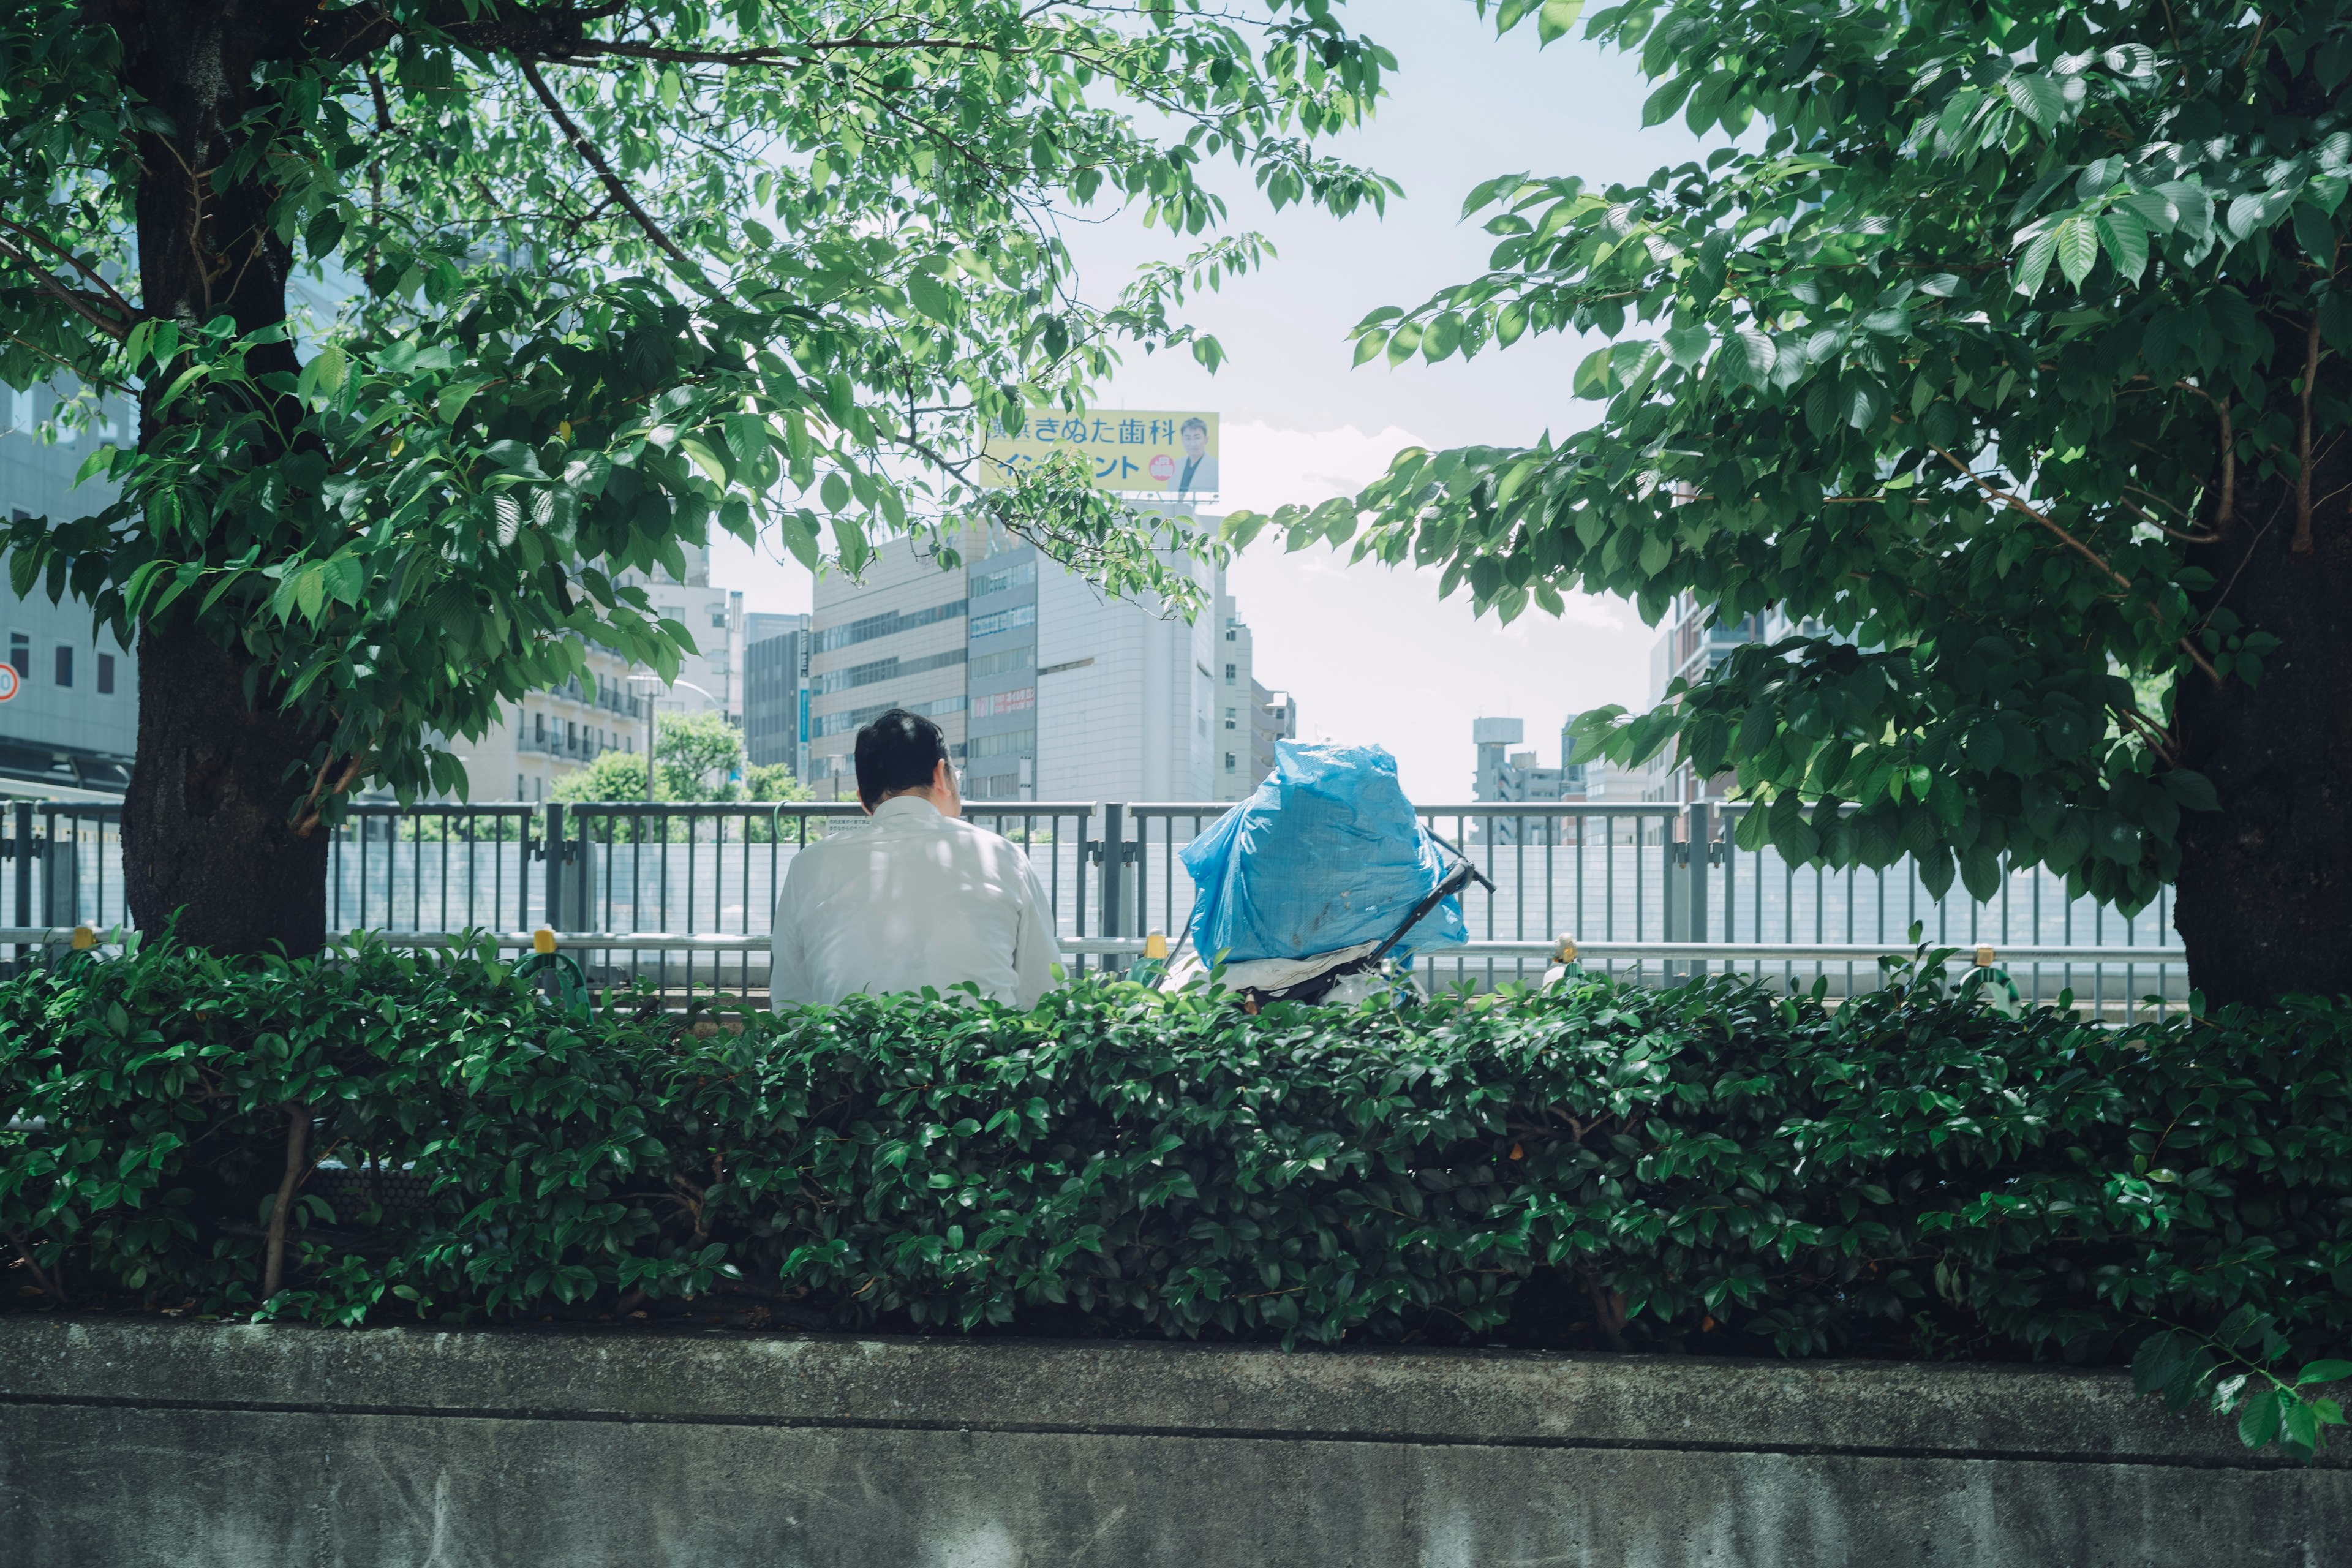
<point>132,1442</point>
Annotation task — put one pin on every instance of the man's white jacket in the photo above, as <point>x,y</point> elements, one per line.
<point>914,898</point>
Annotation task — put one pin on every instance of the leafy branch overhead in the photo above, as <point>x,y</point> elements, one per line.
<point>1980,353</point>
<point>587,280</point>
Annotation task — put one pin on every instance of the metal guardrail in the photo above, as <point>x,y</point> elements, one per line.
<point>678,895</point>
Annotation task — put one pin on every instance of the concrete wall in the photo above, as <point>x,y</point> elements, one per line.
<point>124,1444</point>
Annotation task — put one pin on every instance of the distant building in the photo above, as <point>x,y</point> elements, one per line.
<point>1690,643</point>
<point>1248,718</point>
<point>1046,689</point>
<point>73,724</point>
<point>1275,719</point>
<point>776,691</point>
<point>1504,776</point>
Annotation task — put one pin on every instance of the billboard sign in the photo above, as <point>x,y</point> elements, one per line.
<point>1161,452</point>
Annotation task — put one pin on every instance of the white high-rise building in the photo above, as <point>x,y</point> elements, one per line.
<point>1046,688</point>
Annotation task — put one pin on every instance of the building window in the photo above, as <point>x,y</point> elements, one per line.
<point>1229,674</point>
<point>1229,718</point>
<point>106,674</point>
<point>1229,761</point>
<point>1229,635</point>
<point>1018,701</point>
<point>538,728</point>
<point>65,666</point>
<point>20,655</point>
<point>571,735</point>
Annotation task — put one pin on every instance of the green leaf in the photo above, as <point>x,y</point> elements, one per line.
<point>1442,337</point>
<point>2125,239</point>
<point>2193,791</point>
<point>1687,345</point>
<point>931,297</point>
<point>2078,249</point>
<point>2258,1417</point>
<point>1556,19</point>
<point>2323,1371</point>
<point>2033,265</point>
<point>2037,96</point>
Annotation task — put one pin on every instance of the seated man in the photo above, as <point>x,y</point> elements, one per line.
<point>921,898</point>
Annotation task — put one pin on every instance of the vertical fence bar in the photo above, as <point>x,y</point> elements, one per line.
<point>554,854</point>
<point>1114,852</point>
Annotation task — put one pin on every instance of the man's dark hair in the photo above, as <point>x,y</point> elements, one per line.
<point>1195,422</point>
<point>899,750</point>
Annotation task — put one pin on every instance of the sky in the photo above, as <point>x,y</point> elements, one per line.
<point>1373,655</point>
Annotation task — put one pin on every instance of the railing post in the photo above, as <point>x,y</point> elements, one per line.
<point>551,847</point>
<point>1114,856</point>
<point>24,862</point>
<point>1701,849</point>
<point>24,856</point>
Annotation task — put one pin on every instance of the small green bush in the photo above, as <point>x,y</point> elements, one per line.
<point>1711,1168</point>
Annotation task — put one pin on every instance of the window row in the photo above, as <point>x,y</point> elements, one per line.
<point>62,665</point>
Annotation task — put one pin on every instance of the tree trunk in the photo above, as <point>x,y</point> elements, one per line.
<point>207,825</point>
<point>207,831</point>
<point>2264,898</point>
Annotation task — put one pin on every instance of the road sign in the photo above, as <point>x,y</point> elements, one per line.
<point>8,681</point>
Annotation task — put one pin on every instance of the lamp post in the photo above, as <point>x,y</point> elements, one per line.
<point>653,683</point>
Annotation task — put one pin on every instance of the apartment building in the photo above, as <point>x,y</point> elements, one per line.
<point>1249,717</point>
<point>1691,642</point>
<point>550,734</point>
<point>73,722</point>
<point>1047,690</point>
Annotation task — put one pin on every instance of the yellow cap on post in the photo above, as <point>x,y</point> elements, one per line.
<point>1155,946</point>
<point>84,939</point>
<point>542,941</point>
<point>1566,951</point>
<point>1985,957</point>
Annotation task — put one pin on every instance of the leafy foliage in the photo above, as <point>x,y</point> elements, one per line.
<point>1954,358</point>
<point>1717,1167</point>
<point>611,278</point>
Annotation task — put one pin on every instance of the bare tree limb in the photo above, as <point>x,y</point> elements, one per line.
<point>612,184</point>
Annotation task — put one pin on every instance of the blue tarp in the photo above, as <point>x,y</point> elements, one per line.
<point>1326,854</point>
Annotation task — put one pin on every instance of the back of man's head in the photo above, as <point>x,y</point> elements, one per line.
<point>899,750</point>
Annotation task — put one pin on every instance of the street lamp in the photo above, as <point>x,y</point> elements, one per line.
<point>652,682</point>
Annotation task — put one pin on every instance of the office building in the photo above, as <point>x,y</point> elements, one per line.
<point>73,724</point>
<point>776,691</point>
<point>1046,689</point>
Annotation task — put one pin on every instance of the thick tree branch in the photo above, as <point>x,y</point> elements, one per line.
<point>88,308</point>
<point>131,312</point>
<point>2196,653</point>
<point>297,1135</point>
<point>612,184</point>
<point>2302,542</point>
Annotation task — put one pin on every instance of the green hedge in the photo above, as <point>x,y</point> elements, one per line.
<point>1713,1168</point>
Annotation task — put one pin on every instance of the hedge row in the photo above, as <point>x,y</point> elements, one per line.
<point>1710,1168</point>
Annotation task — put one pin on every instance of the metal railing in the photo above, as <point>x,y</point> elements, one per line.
<point>677,897</point>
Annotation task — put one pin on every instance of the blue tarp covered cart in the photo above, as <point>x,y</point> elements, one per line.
<point>1322,874</point>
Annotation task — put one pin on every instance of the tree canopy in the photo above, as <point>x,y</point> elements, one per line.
<point>598,278</point>
<point>1999,348</point>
